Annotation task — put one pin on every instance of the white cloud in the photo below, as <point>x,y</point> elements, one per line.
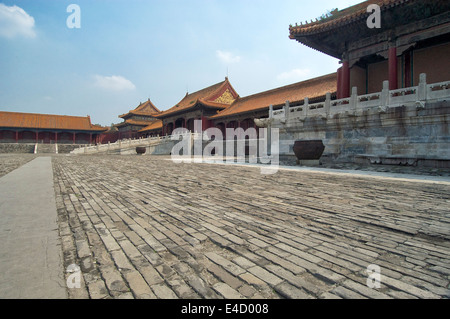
<point>14,21</point>
<point>113,83</point>
<point>227,57</point>
<point>294,75</point>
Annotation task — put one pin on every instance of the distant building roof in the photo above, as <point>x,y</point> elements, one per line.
<point>218,96</point>
<point>47,121</point>
<point>146,108</point>
<point>313,88</point>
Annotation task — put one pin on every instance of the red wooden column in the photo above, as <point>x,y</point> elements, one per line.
<point>205,123</point>
<point>345,85</point>
<point>90,138</point>
<point>339,83</point>
<point>73,137</point>
<point>408,82</point>
<point>393,71</point>
<point>17,136</point>
<point>56,137</point>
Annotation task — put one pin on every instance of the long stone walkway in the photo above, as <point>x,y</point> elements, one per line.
<point>145,227</point>
<point>30,252</point>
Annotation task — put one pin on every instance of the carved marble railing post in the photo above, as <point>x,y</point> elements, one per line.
<point>287,111</point>
<point>354,99</point>
<point>327,104</point>
<point>422,91</point>
<point>269,131</point>
<point>385,94</point>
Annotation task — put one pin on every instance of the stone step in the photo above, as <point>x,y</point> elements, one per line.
<point>46,149</point>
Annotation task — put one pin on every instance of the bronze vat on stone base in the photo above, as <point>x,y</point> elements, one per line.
<point>140,150</point>
<point>306,150</point>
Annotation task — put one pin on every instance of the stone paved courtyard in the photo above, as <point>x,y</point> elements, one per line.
<point>145,227</point>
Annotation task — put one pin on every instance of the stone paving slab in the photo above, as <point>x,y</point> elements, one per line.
<point>144,227</point>
<point>30,253</point>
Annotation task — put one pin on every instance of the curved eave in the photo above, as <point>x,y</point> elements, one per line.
<point>157,129</point>
<point>312,45</point>
<point>350,15</point>
<point>214,105</point>
<point>321,35</point>
<point>134,112</point>
<point>196,104</point>
<point>231,114</point>
<point>296,32</point>
<point>173,111</point>
<point>132,124</point>
<point>152,128</point>
<point>142,113</point>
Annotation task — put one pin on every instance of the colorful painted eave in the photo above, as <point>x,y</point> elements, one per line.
<point>341,18</point>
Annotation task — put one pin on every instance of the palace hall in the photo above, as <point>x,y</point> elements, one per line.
<point>414,38</point>
<point>413,42</point>
<point>137,119</point>
<point>45,128</point>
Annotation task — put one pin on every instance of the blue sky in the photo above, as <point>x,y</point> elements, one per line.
<point>128,51</point>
